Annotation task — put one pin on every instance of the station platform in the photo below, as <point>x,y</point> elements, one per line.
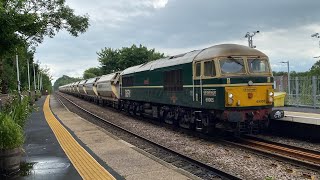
<point>54,153</point>
<point>62,145</point>
<point>301,115</point>
<point>302,123</point>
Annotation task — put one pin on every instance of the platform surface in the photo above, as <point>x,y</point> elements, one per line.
<point>42,148</point>
<point>301,115</point>
<point>55,152</point>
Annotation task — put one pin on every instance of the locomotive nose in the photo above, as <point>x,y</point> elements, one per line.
<point>258,95</point>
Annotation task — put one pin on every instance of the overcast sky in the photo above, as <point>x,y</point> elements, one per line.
<point>177,26</point>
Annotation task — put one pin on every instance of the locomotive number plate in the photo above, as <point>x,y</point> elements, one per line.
<point>209,92</point>
<point>209,100</point>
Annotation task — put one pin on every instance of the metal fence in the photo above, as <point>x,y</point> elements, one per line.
<point>304,91</point>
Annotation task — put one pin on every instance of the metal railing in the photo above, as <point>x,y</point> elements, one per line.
<point>304,91</point>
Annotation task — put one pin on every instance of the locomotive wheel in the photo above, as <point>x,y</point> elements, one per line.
<point>185,121</point>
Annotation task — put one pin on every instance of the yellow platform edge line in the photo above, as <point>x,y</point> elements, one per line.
<point>84,163</point>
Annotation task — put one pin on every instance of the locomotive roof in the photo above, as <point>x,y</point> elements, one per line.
<point>196,55</point>
<point>227,50</point>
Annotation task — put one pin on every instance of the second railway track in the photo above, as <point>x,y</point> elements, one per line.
<point>179,160</point>
<point>295,155</point>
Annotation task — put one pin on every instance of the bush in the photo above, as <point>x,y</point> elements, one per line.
<point>12,120</point>
<point>11,134</point>
<point>21,111</point>
<point>18,110</point>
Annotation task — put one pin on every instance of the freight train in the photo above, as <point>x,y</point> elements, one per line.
<point>225,86</point>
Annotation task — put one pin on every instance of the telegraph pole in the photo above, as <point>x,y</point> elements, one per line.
<point>249,36</point>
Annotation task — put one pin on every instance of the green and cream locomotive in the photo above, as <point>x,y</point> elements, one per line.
<point>224,86</point>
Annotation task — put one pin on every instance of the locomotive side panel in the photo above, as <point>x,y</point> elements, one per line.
<point>152,86</point>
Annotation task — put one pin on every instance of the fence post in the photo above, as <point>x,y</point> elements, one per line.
<point>314,91</point>
<point>281,84</point>
<point>297,91</point>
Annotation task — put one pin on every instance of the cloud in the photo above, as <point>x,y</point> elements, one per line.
<point>175,27</point>
<point>159,3</point>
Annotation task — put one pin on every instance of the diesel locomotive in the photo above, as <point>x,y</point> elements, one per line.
<point>225,86</point>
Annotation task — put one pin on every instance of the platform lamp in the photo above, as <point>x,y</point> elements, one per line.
<point>288,64</point>
<point>316,35</point>
<point>249,36</point>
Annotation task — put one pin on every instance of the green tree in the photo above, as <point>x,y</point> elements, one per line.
<point>46,80</point>
<point>112,60</point>
<point>24,24</point>
<point>109,60</point>
<point>315,69</point>
<point>92,72</point>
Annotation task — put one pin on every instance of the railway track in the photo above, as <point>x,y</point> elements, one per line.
<point>179,160</point>
<point>295,155</point>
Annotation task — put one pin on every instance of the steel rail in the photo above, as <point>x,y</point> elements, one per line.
<point>295,155</point>
<point>307,151</point>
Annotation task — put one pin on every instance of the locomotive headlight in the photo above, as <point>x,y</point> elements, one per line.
<point>270,99</point>
<point>230,98</point>
<point>270,96</point>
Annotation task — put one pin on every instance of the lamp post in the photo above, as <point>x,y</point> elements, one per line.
<point>18,73</point>
<point>316,35</point>
<point>35,83</point>
<point>249,36</point>
<point>29,78</point>
<point>288,64</point>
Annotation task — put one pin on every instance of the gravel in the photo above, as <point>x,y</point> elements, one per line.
<point>234,160</point>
